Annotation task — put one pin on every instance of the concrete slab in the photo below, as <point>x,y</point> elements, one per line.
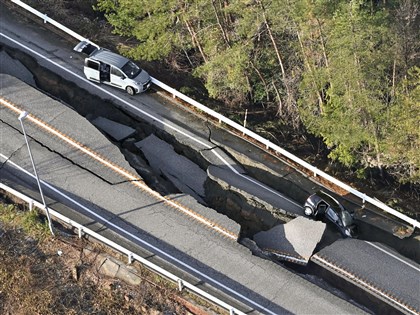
<point>294,241</point>
<point>187,176</point>
<point>108,267</point>
<point>267,168</point>
<point>115,130</point>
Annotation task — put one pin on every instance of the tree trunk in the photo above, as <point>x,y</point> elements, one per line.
<point>262,80</point>
<point>324,51</point>
<point>277,51</point>
<point>393,79</point>
<point>280,107</point>
<point>222,29</point>
<point>305,58</point>
<point>195,40</point>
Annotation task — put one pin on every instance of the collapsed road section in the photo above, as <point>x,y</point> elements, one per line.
<point>290,183</point>
<point>214,259</point>
<point>103,114</point>
<point>282,241</point>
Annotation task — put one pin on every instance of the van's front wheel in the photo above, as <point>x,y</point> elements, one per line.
<point>130,90</point>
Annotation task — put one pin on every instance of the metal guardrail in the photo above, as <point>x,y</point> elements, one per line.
<point>245,131</point>
<point>131,256</point>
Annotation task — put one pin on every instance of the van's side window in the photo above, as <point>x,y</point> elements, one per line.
<point>116,71</point>
<point>92,64</point>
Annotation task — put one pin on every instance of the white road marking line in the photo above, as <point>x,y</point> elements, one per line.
<point>394,256</point>
<point>156,249</point>
<point>152,117</point>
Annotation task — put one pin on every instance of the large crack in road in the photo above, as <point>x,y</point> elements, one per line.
<point>92,107</point>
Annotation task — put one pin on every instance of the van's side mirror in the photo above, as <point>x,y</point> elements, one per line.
<point>122,77</point>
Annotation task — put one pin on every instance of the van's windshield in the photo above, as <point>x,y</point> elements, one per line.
<point>131,70</point>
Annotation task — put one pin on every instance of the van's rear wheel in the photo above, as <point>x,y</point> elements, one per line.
<point>130,90</point>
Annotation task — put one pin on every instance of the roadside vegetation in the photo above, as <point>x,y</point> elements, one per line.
<point>335,82</point>
<point>41,274</point>
<point>346,71</point>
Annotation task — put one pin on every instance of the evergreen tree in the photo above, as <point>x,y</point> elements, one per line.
<point>402,147</point>
<point>349,112</point>
<point>155,24</point>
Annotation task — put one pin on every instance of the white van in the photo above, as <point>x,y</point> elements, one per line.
<point>104,66</point>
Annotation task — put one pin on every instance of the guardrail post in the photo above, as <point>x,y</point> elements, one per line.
<point>180,285</point>
<point>45,18</point>
<point>246,116</point>
<point>31,205</point>
<point>231,311</point>
<point>364,200</point>
<point>80,230</point>
<point>130,258</point>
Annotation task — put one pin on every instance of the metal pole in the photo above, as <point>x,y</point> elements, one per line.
<point>22,116</point>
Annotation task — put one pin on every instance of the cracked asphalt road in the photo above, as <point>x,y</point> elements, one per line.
<point>119,202</point>
<point>275,289</point>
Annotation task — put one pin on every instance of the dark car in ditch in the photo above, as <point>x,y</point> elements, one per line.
<point>321,205</point>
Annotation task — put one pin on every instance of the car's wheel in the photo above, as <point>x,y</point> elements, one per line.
<point>130,90</point>
<point>308,211</point>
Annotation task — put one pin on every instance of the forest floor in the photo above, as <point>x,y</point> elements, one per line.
<point>80,16</point>
<point>41,274</point>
